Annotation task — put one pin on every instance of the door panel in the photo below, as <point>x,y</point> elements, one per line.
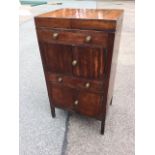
<point>90,62</point>
<point>58,58</point>
<point>89,104</point>
<point>62,97</point>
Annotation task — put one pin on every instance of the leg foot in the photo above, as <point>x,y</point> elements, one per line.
<point>53,112</point>
<point>102,127</point>
<point>111,101</point>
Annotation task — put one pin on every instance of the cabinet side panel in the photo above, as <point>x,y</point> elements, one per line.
<point>115,50</point>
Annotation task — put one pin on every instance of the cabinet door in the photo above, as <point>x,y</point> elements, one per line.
<point>88,104</point>
<point>57,58</point>
<point>62,97</point>
<point>90,62</point>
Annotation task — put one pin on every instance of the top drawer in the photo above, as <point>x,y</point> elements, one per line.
<point>73,37</point>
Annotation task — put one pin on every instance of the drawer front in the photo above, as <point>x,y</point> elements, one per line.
<point>73,37</point>
<point>85,103</point>
<point>77,83</point>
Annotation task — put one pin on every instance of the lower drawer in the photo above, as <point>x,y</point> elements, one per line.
<point>83,102</point>
<point>76,83</point>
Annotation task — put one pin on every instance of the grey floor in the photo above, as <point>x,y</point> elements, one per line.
<point>42,135</point>
<point>39,133</point>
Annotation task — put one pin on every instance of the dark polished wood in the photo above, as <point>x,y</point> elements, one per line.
<point>79,50</point>
<point>55,60</point>
<point>98,19</point>
<point>70,37</point>
<point>76,82</point>
<point>90,62</point>
<point>99,14</point>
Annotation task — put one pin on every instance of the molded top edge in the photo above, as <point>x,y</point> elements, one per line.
<point>96,14</point>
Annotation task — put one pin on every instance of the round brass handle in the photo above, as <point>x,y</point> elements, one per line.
<point>87,85</point>
<point>55,35</point>
<point>88,39</point>
<point>74,62</point>
<point>76,102</point>
<point>59,79</point>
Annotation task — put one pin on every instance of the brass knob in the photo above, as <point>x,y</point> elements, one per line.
<point>76,102</point>
<point>59,79</point>
<point>74,62</point>
<point>55,35</point>
<point>87,85</point>
<point>88,39</point>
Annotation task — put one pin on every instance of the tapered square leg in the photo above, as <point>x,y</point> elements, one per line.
<point>102,127</point>
<point>53,112</point>
<point>111,101</point>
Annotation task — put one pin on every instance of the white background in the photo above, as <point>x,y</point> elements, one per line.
<point>145,77</point>
<point>9,100</point>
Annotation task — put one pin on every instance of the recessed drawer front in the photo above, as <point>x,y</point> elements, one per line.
<point>73,37</point>
<point>85,103</point>
<point>77,83</point>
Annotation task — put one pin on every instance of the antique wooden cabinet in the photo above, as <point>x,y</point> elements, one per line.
<point>79,49</point>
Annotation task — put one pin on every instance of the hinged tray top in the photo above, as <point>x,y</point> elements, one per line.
<point>99,19</point>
